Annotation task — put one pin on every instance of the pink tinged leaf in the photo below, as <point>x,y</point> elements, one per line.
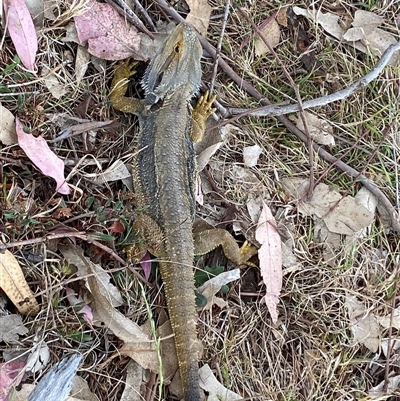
<point>44,159</point>
<point>22,32</point>
<point>73,300</point>
<point>107,34</point>
<point>145,263</point>
<point>270,255</point>
<point>11,374</point>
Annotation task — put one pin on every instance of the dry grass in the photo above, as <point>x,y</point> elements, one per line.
<point>309,354</point>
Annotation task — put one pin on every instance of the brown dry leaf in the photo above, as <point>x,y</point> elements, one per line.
<point>8,135</point>
<point>348,217</point>
<point>270,255</point>
<point>11,327</point>
<point>272,34</point>
<point>117,171</point>
<point>13,283</point>
<point>251,155</point>
<point>320,130</point>
<point>138,345</point>
<point>378,391</point>
<point>216,391</point>
<point>199,16</point>
<point>133,383</point>
<point>394,346</point>
<point>390,320</point>
<point>342,215</point>
<point>57,88</point>
<point>281,17</point>
<point>212,286</point>
<point>80,388</point>
<point>364,31</point>
<point>86,267</point>
<point>167,350</point>
<point>82,60</point>
<point>364,326</point>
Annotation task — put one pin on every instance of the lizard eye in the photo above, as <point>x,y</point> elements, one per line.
<point>177,49</point>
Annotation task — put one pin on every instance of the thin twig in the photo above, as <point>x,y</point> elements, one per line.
<point>127,13</point>
<point>219,45</point>
<point>73,234</point>
<point>383,200</point>
<point>333,97</point>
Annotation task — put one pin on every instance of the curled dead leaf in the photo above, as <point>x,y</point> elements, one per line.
<point>13,283</point>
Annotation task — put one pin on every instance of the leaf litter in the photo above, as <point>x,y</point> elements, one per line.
<point>241,179</point>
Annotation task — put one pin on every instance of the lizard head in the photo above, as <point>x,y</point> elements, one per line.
<point>176,64</point>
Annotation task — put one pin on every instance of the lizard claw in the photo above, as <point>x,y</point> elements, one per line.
<point>125,69</point>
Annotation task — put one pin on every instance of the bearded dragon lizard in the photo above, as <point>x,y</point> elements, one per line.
<point>164,180</point>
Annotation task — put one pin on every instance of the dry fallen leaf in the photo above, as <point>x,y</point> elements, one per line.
<point>320,130</point>
<point>8,136</point>
<point>11,327</point>
<point>251,155</point>
<point>74,255</point>
<point>39,356</point>
<point>117,171</point>
<point>272,34</point>
<point>199,15</point>
<point>80,388</point>
<point>138,345</point>
<point>378,392</point>
<point>364,326</point>
<point>133,382</point>
<point>107,34</point>
<point>22,31</point>
<point>56,87</point>
<point>212,286</point>
<point>270,255</point>
<point>11,374</point>
<point>216,391</point>
<point>42,156</point>
<point>167,350</point>
<point>364,36</point>
<point>82,60</point>
<point>390,320</point>
<point>13,283</point>
<point>342,215</point>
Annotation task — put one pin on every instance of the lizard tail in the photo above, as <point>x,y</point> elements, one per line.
<point>178,281</point>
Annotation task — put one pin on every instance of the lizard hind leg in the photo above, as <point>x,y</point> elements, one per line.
<point>149,238</point>
<point>208,240</point>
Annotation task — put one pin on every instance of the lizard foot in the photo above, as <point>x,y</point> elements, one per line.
<point>207,240</point>
<point>119,87</point>
<point>247,251</point>
<point>124,70</point>
<point>200,113</point>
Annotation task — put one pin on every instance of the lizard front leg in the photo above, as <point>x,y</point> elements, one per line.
<point>200,113</point>
<point>119,87</point>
